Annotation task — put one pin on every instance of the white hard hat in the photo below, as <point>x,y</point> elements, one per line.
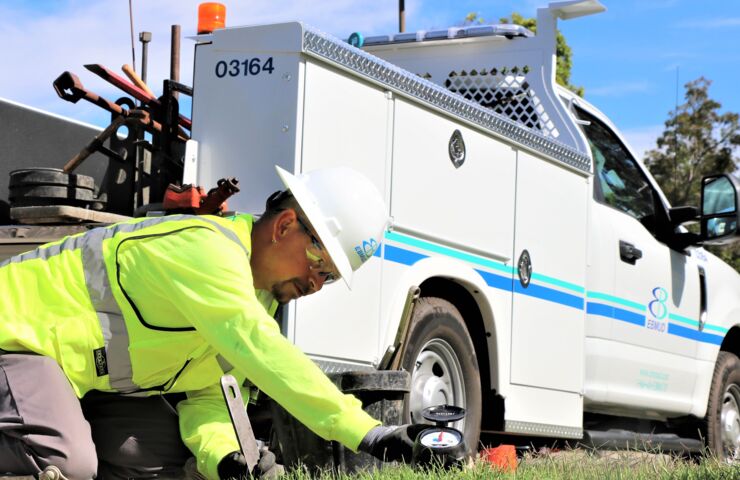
<point>345,209</point>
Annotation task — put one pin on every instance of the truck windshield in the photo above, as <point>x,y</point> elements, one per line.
<point>620,182</point>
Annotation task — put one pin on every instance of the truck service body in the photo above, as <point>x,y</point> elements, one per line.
<point>533,235</point>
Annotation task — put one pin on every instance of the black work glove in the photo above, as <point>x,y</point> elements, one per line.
<point>391,443</point>
<point>234,465</point>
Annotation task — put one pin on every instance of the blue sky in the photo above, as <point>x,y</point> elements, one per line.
<point>628,58</point>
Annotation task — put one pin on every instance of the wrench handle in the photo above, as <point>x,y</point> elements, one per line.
<point>136,79</point>
<point>240,421</point>
<point>93,145</point>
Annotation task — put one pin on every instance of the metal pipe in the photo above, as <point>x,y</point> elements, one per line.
<point>401,16</point>
<point>144,38</point>
<point>131,23</point>
<point>139,164</point>
<point>175,56</point>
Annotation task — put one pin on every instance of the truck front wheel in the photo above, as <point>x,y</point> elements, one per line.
<point>443,365</point>
<point>723,412</point>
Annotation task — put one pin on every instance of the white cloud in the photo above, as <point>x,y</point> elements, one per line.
<point>39,47</point>
<point>642,139</point>
<point>618,89</point>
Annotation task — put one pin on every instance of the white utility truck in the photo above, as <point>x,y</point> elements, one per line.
<point>534,273</point>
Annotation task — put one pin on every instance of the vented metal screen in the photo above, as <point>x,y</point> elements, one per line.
<point>506,92</point>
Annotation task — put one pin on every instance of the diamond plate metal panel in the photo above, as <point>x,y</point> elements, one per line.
<point>341,53</point>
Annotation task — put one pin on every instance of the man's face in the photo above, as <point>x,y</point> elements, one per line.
<point>296,263</point>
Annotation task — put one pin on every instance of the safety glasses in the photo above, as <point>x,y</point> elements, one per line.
<point>315,254</point>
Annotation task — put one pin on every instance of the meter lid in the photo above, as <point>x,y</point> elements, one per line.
<point>443,413</point>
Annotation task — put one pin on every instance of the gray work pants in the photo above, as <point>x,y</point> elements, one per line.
<point>43,423</point>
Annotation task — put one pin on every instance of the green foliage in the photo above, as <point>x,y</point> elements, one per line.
<point>730,254</point>
<point>698,140</point>
<point>473,18</point>
<point>563,53</point>
<point>565,465</point>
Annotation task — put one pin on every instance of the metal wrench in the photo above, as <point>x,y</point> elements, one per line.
<point>240,420</point>
<point>132,90</point>
<point>69,87</point>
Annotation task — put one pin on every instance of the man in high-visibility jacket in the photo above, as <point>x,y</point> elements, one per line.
<point>121,315</point>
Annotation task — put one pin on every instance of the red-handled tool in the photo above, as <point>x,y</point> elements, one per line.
<point>128,87</point>
<point>70,88</point>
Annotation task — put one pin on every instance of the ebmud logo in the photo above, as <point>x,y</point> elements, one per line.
<point>658,310</point>
<point>367,249</point>
<point>657,307</point>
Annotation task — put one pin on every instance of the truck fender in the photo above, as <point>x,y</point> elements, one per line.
<point>456,272</point>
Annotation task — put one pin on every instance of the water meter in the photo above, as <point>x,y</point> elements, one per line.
<point>440,444</point>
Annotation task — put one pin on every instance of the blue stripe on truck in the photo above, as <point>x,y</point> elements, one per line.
<point>509,284</point>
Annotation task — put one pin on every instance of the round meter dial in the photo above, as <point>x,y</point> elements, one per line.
<point>438,438</point>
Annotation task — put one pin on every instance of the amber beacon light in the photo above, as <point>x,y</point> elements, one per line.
<point>211,15</point>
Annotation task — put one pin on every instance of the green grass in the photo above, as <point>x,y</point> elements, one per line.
<point>576,464</point>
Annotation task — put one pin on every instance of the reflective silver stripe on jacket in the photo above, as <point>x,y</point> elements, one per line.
<point>112,324</point>
<point>44,253</point>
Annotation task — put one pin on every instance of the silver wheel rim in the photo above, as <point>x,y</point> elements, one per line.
<point>436,379</point>
<point>730,423</point>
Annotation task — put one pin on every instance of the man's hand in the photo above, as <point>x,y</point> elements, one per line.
<point>391,443</point>
<point>234,465</point>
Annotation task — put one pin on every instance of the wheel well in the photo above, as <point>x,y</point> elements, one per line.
<point>731,343</point>
<point>463,300</point>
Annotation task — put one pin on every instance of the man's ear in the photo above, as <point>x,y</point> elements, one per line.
<point>283,223</point>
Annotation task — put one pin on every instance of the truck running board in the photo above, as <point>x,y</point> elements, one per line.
<point>615,439</point>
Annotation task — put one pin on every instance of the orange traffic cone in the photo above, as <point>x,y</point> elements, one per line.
<point>502,457</point>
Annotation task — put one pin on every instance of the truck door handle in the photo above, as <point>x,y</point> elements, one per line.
<point>629,253</point>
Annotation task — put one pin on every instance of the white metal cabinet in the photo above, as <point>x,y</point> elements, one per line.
<point>244,122</point>
<point>472,205</point>
<point>345,122</point>
<point>548,314</point>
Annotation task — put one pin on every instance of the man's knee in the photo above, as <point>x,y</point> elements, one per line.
<point>77,460</point>
<point>135,437</point>
<point>42,420</point>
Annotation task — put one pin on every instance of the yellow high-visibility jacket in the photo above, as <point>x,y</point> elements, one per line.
<point>167,304</point>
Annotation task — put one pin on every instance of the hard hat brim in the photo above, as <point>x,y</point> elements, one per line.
<point>310,208</point>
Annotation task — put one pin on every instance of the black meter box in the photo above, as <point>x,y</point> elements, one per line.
<point>381,393</point>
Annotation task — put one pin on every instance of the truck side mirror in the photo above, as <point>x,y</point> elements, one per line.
<point>720,210</point>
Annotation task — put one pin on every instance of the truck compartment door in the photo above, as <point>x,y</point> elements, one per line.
<point>550,251</point>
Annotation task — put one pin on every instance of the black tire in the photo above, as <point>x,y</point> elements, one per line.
<point>32,177</point>
<point>437,340</point>
<point>723,411</point>
<point>49,186</point>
